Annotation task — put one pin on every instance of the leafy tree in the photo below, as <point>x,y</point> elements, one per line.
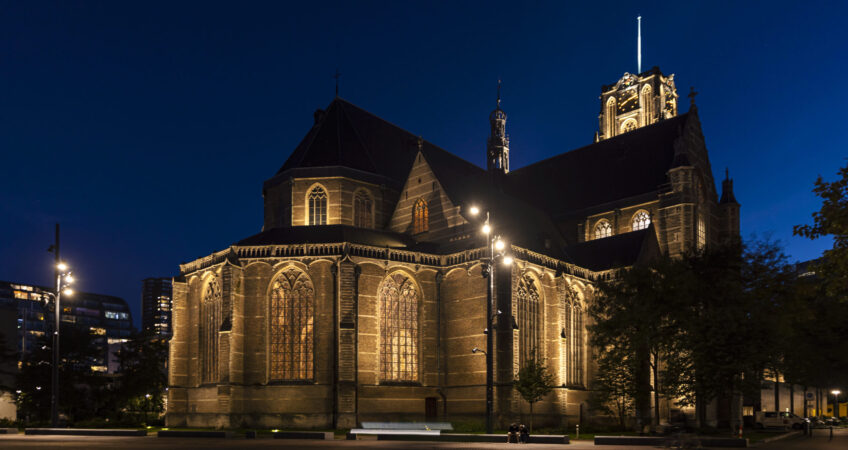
<point>143,377</point>
<point>831,220</point>
<point>612,391</point>
<point>534,383</point>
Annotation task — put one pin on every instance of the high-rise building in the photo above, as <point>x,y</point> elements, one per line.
<point>108,319</point>
<point>156,306</point>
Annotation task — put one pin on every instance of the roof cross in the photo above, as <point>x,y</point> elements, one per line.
<point>692,94</point>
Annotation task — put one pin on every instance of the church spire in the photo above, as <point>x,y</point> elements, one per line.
<point>497,148</point>
<point>727,189</point>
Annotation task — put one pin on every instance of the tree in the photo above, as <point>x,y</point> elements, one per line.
<point>831,220</point>
<point>143,378</point>
<point>8,364</point>
<point>534,382</point>
<point>612,390</point>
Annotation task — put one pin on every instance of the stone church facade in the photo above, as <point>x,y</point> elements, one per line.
<point>363,295</point>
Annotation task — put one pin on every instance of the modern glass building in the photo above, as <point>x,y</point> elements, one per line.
<point>108,319</point>
<point>156,306</point>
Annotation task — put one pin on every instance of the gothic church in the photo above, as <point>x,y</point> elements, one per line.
<point>363,295</point>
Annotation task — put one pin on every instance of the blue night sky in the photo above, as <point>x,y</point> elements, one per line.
<point>147,128</point>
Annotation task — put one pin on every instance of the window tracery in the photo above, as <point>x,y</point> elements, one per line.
<point>609,118</point>
<point>420,216</point>
<point>573,334</point>
<point>210,324</point>
<point>363,210</point>
<point>628,126</point>
<point>529,318</point>
<point>701,233</point>
<point>292,299</point>
<point>641,220</point>
<point>647,104</point>
<point>398,301</point>
<point>317,206</point>
<point>603,229</point>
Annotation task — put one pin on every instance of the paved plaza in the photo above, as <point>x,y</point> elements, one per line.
<point>821,441</point>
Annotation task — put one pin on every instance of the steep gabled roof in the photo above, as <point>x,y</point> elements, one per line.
<point>621,167</point>
<point>622,250</point>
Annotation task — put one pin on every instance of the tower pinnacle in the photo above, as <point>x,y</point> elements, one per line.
<point>497,146</point>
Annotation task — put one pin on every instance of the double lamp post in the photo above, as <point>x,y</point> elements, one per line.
<point>497,252</point>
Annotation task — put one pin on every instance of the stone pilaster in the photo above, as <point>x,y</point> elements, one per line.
<point>346,393</point>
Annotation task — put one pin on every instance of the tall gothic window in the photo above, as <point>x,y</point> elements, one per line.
<point>647,105</point>
<point>292,306</point>
<point>701,233</point>
<point>609,118</point>
<point>420,217</point>
<point>641,220</point>
<point>398,329</point>
<point>529,320</point>
<point>317,206</point>
<point>362,210</point>
<point>573,334</point>
<point>210,324</point>
<point>603,229</point>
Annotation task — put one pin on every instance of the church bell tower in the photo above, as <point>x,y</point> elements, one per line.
<point>636,101</point>
<point>497,146</point>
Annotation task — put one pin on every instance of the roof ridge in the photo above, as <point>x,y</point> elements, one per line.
<point>612,139</point>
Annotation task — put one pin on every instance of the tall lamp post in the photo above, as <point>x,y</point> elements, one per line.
<point>63,281</point>
<point>497,250</point>
<point>836,393</point>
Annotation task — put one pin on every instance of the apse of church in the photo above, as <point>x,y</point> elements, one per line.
<point>362,297</point>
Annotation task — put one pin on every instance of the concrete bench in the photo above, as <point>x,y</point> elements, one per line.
<point>442,426</point>
<point>85,432</point>
<point>321,435</point>
<point>198,434</point>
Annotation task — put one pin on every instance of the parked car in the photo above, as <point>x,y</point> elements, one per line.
<point>766,419</point>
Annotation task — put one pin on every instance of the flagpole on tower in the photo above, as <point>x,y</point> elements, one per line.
<point>639,45</point>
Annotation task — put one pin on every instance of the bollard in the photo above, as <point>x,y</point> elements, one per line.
<point>577,436</point>
<point>740,431</point>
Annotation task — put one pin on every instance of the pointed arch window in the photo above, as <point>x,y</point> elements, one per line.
<point>628,126</point>
<point>573,334</point>
<point>647,102</point>
<point>210,325</point>
<point>641,220</point>
<point>292,299</point>
<point>603,229</point>
<point>529,318</point>
<point>363,210</point>
<point>317,201</point>
<point>398,302</point>
<point>420,216</point>
<point>609,118</point>
<point>701,233</point>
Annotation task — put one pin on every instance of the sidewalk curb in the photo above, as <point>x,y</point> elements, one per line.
<point>777,438</point>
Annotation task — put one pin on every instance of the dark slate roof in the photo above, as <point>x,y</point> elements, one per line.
<point>621,250</point>
<point>624,166</point>
<point>349,136</point>
<point>328,234</point>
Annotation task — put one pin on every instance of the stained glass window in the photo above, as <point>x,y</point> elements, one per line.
<point>362,210</point>
<point>641,220</point>
<point>210,324</point>
<point>398,329</point>
<point>529,337</point>
<point>420,217</point>
<point>603,229</point>
<point>292,316</point>
<point>317,206</point>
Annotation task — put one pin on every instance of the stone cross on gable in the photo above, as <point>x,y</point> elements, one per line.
<point>692,94</point>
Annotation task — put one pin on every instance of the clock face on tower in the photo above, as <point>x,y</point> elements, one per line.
<point>628,101</point>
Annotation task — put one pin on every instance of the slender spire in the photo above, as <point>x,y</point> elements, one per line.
<point>639,45</point>
<point>692,94</point>
<point>727,189</point>
<point>497,148</point>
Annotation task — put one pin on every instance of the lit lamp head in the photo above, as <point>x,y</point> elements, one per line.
<point>474,210</point>
<point>69,279</point>
<point>836,392</point>
<point>487,229</point>
<point>507,260</point>
<point>499,245</point>
<point>68,292</point>
<point>62,266</point>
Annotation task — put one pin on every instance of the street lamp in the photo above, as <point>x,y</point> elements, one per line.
<point>497,250</point>
<point>63,281</point>
<point>836,393</point>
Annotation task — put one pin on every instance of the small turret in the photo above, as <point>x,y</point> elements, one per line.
<point>728,209</point>
<point>727,189</point>
<point>497,148</point>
